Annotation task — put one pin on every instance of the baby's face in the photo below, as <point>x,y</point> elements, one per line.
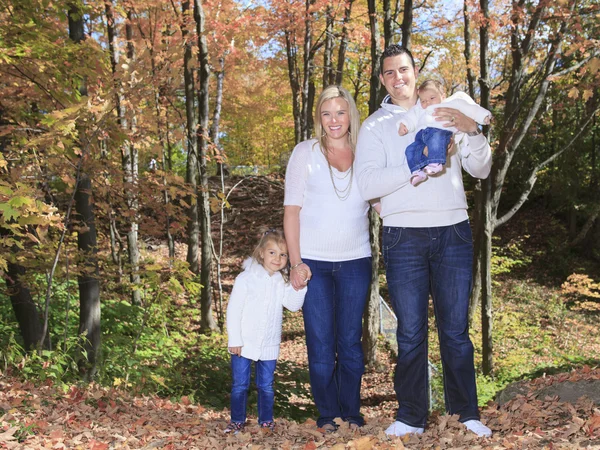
<point>430,97</point>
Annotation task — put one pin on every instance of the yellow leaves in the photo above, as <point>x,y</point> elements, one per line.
<point>573,93</point>
<point>594,65</point>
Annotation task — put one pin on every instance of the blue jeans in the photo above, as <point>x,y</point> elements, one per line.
<point>420,261</point>
<point>435,140</point>
<point>333,310</point>
<point>240,372</point>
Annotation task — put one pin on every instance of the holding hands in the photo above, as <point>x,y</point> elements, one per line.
<point>299,275</point>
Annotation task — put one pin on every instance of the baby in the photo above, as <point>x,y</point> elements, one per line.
<point>432,133</point>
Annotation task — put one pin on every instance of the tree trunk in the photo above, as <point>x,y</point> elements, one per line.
<point>24,307</point>
<point>207,321</point>
<point>192,145</point>
<point>88,278</point>
<point>485,258</point>
<point>216,121</point>
<point>307,94</point>
<point>372,316</point>
<point>131,175</point>
<point>407,23</point>
<point>294,76</point>
<point>375,55</point>
<point>328,74</point>
<point>339,74</point>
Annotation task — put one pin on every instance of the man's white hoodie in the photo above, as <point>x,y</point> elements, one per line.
<point>255,311</point>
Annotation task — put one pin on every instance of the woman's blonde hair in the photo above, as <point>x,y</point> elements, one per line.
<point>272,235</point>
<point>329,93</point>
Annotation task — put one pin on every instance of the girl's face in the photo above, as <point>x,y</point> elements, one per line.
<point>335,118</point>
<point>274,257</point>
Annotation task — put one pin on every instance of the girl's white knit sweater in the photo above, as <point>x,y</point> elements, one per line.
<point>255,311</point>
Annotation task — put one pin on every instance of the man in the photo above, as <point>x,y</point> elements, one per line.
<point>427,246</point>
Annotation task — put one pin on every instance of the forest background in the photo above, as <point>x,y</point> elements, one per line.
<point>128,128</point>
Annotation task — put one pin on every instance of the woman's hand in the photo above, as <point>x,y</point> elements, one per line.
<point>235,351</point>
<point>454,118</point>
<point>299,276</point>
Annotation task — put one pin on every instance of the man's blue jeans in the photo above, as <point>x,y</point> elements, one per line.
<point>333,310</point>
<point>420,261</point>
<point>435,140</point>
<point>240,372</point>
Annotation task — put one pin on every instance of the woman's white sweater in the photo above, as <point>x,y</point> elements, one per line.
<point>255,311</point>
<point>330,229</point>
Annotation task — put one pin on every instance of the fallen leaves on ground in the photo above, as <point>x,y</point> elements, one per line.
<point>95,418</point>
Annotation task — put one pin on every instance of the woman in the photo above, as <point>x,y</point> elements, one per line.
<point>327,231</point>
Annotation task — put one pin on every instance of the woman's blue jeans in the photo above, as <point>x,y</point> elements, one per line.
<point>333,310</point>
<point>420,261</point>
<point>436,141</point>
<point>240,372</point>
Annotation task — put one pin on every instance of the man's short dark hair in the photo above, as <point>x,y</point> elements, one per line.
<point>395,50</point>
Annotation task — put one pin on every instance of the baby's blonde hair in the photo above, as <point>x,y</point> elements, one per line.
<point>432,84</point>
<point>272,235</point>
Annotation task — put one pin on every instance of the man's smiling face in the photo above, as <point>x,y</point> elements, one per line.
<point>399,78</point>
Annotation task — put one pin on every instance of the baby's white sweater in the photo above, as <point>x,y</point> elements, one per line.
<point>418,118</point>
<point>330,229</point>
<point>255,311</point>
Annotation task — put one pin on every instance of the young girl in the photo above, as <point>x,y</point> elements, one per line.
<point>254,317</point>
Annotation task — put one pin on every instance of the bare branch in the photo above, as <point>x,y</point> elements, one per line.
<point>533,175</point>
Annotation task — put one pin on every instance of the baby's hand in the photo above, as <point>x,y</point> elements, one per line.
<point>235,351</point>
<point>402,130</point>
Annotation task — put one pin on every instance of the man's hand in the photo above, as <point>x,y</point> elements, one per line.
<point>454,118</point>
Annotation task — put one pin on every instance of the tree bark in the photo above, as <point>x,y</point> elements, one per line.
<point>339,74</point>
<point>24,307</point>
<point>216,121</point>
<point>191,130</point>
<point>375,55</point>
<point>372,317</point>
<point>129,153</point>
<point>89,277</point>
<point>207,321</point>
<point>294,76</point>
<point>328,74</point>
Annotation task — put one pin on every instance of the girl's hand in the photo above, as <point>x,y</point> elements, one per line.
<point>454,118</point>
<point>402,130</point>
<point>235,351</point>
<point>299,276</point>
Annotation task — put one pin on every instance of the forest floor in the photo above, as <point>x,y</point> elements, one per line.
<point>544,337</point>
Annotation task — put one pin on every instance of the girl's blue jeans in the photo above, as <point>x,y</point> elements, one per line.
<point>333,310</point>
<point>241,371</point>
<point>420,262</point>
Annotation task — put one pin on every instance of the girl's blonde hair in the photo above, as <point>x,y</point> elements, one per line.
<point>329,93</point>
<point>272,235</point>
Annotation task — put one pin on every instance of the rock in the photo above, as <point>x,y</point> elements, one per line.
<point>567,391</point>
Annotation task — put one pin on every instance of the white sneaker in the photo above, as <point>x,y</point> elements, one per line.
<point>400,429</point>
<point>478,428</point>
